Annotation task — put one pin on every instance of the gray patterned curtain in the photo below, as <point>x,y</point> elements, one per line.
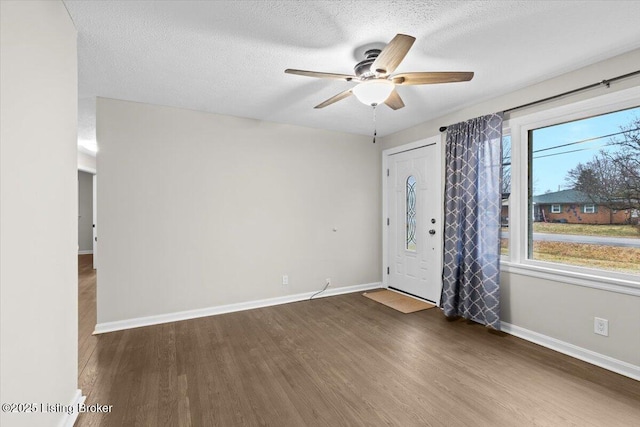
<point>471,273</point>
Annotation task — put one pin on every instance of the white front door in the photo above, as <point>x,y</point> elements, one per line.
<point>414,205</point>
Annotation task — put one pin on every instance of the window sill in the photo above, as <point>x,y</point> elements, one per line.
<point>549,271</point>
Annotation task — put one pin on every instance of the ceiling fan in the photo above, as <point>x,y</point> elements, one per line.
<point>375,84</point>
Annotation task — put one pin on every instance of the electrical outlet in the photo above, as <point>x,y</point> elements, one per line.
<point>328,282</point>
<point>601,326</point>
<point>285,279</point>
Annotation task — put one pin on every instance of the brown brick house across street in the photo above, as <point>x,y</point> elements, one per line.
<point>575,207</point>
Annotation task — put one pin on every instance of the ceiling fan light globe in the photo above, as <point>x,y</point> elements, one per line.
<point>373,92</point>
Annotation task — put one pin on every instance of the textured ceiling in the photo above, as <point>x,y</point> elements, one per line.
<point>229,57</point>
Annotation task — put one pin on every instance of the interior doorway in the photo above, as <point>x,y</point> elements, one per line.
<point>86,212</point>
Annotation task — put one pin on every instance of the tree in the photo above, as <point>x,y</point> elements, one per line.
<point>612,178</point>
<point>627,159</point>
<point>600,179</point>
<point>506,167</point>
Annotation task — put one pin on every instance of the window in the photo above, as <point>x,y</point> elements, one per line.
<point>592,164</point>
<point>411,213</point>
<point>506,192</point>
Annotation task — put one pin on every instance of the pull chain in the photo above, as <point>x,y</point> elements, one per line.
<point>375,132</point>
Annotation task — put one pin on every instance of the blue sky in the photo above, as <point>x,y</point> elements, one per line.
<point>550,172</point>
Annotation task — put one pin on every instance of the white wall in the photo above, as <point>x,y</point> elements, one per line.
<point>200,210</point>
<point>553,308</point>
<point>566,311</point>
<point>85,212</point>
<point>38,90</point>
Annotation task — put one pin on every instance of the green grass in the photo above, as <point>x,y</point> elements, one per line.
<point>625,260</point>
<point>587,230</point>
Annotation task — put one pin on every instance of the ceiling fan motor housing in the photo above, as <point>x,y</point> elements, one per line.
<point>363,68</point>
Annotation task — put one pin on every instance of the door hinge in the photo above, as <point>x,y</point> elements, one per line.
<point>387,172</point>
<point>387,270</point>
<point>387,221</point>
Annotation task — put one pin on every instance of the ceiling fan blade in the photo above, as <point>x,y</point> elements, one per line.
<point>336,98</point>
<point>320,75</point>
<point>392,54</point>
<point>394,101</point>
<point>428,78</point>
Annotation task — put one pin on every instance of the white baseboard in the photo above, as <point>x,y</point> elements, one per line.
<point>119,325</point>
<point>86,252</point>
<point>606,362</point>
<point>68,419</point>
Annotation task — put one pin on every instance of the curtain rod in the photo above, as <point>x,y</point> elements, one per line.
<point>606,82</point>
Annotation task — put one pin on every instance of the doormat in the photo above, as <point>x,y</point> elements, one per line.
<point>398,301</point>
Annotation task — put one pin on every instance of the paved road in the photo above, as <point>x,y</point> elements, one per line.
<point>627,242</point>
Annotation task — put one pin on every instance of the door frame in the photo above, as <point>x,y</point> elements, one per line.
<point>438,141</point>
<point>94,229</point>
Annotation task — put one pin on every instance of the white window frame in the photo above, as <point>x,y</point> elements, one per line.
<point>589,208</point>
<point>553,210</point>
<point>518,261</point>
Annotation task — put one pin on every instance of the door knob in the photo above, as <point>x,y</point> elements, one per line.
<point>432,231</point>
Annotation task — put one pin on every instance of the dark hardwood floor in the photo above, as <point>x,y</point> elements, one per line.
<point>337,361</point>
<point>86,321</point>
